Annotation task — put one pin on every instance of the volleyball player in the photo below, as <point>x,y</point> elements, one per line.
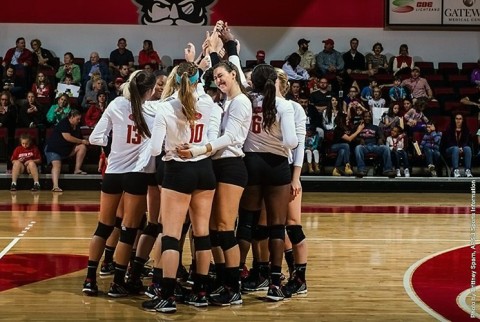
<point>128,164</point>
<point>271,136</point>
<point>188,185</point>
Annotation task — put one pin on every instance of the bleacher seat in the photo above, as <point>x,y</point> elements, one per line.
<point>178,61</point>
<point>441,122</point>
<point>426,67</point>
<point>33,132</point>
<point>436,80</point>
<point>3,144</point>
<point>468,91</point>
<point>447,68</point>
<point>458,80</point>
<point>468,67</point>
<point>277,63</point>
<point>445,94</point>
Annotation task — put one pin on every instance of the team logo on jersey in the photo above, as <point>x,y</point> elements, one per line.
<point>198,116</point>
<point>174,12</point>
<point>130,117</point>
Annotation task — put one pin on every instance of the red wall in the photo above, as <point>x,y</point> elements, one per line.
<point>279,13</point>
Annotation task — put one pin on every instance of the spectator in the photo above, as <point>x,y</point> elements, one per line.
<point>457,143</point>
<point>293,69</point>
<point>59,111</point>
<point>66,141</point>
<point>69,68</point>
<point>93,66</point>
<point>307,60</point>
<point>329,60</point>
<point>149,56</point>
<point>353,59</point>
<point>376,61</point>
<point>475,76</point>
<point>121,56</point>
<point>41,57</point>
<point>403,63</point>
<point>25,158</point>
<point>418,86</point>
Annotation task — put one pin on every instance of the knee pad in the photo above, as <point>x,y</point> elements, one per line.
<point>143,222</point>
<point>185,228</point>
<point>214,241</point>
<point>128,235</point>
<point>151,230</point>
<point>103,231</point>
<point>170,243</point>
<point>227,239</point>
<point>277,232</point>
<point>202,243</point>
<point>247,220</point>
<point>118,222</point>
<point>261,233</point>
<point>295,233</point>
<point>160,229</point>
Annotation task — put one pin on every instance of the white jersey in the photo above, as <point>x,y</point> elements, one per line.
<point>280,138</point>
<point>130,151</point>
<point>236,119</point>
<point>172,126</point>
<point>297,154</point>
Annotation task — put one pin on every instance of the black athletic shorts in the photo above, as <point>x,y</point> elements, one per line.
<point>187,177</point>
<point>135,183</point>
<point>231,170</point>
<point>267,169</point>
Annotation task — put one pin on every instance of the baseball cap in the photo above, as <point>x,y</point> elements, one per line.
<point>260,53</point>
<point>328,41</point>
<point>118,80</point>
<point>416,68</point>
<point>303,41</point>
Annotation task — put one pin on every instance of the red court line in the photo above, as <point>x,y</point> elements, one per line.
<point>306,208</point>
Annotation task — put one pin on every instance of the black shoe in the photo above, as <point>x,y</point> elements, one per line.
<point>197,299</point>
<point>295,286</point>
<point>389,173</point>
<point>182,274</point>
<point>135,287</point>
<point>275,293</point>
<point>107,269</point>
<point>217,290</point>
<point>118,290</point>
<point>160,304</point>
<point>153,290</point>
<point>36,186</point>
<point>13,187</point>
<point>226,297</point>
<point>90,287</point>
<point>255,283</point>
<point>360,174</point>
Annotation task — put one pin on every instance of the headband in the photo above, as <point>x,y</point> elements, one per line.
<point>193,79</point>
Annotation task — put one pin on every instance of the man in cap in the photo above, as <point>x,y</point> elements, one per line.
<point>418,86</point>
<point>329,61</point>
<point>307,57</point>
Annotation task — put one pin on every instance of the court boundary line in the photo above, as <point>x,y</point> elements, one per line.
<point>16,239</point>
<point>407,283</point>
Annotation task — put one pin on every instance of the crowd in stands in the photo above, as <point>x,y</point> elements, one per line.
<point>361,108</point>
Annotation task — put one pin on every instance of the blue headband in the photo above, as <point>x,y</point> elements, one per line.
<point>193,79</point>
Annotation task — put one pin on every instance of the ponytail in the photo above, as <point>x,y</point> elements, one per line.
<point>263,80</point>
<point>187,78</point>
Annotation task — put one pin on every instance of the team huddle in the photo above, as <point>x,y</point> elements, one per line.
<point>225,165</point>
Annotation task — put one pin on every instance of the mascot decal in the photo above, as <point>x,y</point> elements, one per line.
<point>174,12</point>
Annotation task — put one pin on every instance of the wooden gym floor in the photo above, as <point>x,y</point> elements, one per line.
<point>372,257</point>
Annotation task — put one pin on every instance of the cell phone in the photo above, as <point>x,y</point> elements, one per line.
<point>340,93</point>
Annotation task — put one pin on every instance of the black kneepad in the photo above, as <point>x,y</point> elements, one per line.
<point>151,230</point>
<point>227,239</point>
<point>261,233</point>
<point>247,220</point>
<point>295,233</point>
<point>118,222</point>
<point>128,235</point>
<point>202,243</point>
<point>170,243</point>
<point>277,232</point>
<point>103,231</point>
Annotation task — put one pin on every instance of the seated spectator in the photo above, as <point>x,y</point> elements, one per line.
<point>397,93</point>
<point>457,144</point>
<point>149,56</point>
<point>66,141</point>
<point>8,120</point>
<point>59,111</point>
<point>475,76</point>
<point>41,57</point>
<point>12,83</point>
<point>371,140</point>
<point>367,91</point>
<point>321,96</point>
<point>353,59</point>
<point>31,114</point>
<point>415,119</point>
<point>330,113</point>
<point>329,60</point>
<point>95,66</point>
<point>117,90</point>
<point>355,112</point>
<point>377,105</point>
<point>430,146</point>
<point>307,57</point>
<point>42,89</point>
<point>342,137</point>
<point>311,149</point>
<point>69,68</point>
<point>94,86</point>
<point>403,63</point>
<point>391,118</point>
<point>353,95</point>
<point>398,154</point>
<point>260,59</point>
<point>18,56</point>
<point>25,158</point>
<point>417,86</point>
<point>121,56</point>
<point>294,90</point>
<point>96,109</point>
<point>293,70</point>
<point>376,61</point>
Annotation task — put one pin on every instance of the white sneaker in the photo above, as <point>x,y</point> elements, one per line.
<point>407,173</point>
<point>398,173</point>
<point>456,173</point>
<point>468,173</point>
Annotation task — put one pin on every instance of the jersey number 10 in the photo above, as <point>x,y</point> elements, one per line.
<point>196,133</point>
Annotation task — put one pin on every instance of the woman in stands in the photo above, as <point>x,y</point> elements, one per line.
<point>128,169</point>
<point>188,185</point>
<point>271,136</point>
<point>457,143</point>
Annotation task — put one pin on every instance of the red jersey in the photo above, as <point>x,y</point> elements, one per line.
<point>27,154</point>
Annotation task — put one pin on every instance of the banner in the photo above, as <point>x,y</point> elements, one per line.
<point>462,13</point>
<point>306,13</point>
